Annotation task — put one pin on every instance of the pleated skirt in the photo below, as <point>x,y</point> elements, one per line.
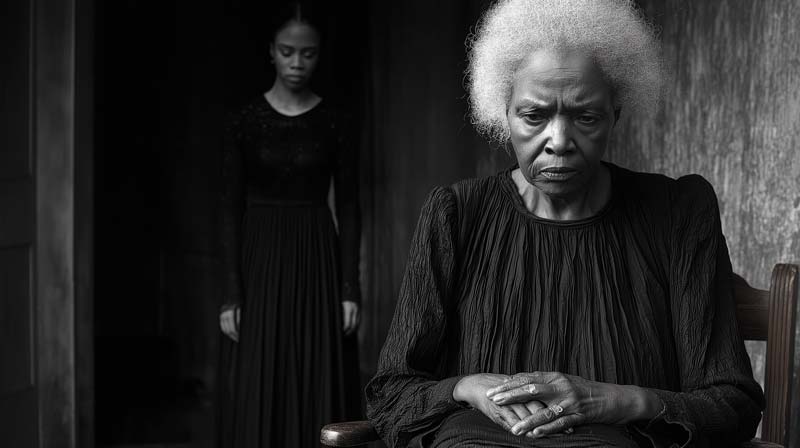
<point>292,370</point>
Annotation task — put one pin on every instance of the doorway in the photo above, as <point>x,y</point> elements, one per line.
<point>167,74</point>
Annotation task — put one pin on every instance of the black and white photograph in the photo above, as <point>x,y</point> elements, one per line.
<point>399,224</point>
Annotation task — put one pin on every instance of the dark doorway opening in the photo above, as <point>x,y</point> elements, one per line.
<point>167,74</point>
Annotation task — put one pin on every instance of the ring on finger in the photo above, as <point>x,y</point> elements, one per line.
<point>557,410</point>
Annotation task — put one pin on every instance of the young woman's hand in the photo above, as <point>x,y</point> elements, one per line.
<point>229,322</point>
<point>352,317</point>
<point>571,401</point>
<point>473,390</point>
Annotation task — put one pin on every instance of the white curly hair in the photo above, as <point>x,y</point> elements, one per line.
<point>613,32</point>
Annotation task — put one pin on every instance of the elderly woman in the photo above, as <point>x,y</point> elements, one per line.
<point>565,302</point>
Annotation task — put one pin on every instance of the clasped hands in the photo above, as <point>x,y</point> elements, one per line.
<point>536,404</point>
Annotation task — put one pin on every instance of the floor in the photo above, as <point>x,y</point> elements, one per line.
<point>143,400</point>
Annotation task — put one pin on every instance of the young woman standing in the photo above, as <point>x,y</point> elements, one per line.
<point>291,303</point>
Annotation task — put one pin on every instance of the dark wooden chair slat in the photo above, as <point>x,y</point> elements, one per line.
<point>780,353</point>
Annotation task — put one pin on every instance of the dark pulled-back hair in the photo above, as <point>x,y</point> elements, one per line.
<point>295,11</point>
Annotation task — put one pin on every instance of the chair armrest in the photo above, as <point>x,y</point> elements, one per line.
<point>362,432</point>
<point>348,433</point>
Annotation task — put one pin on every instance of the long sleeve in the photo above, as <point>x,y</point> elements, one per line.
<point>408,397</point>
<point>348,211</point>
<point>719,403</point>
<point>231,201</point>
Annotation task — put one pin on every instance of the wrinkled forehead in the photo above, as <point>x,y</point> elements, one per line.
<point>562,74</point>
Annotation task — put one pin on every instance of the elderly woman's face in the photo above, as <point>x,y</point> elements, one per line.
<point>560,115</point>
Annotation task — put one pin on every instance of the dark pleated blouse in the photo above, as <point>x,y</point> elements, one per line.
<point>638,294</point>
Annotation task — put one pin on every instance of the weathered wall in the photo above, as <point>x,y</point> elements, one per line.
<point>731,113</point>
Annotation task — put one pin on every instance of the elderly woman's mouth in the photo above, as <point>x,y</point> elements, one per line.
<point>558,173</point>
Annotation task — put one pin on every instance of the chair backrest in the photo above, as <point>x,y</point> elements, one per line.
<point>770,316</point>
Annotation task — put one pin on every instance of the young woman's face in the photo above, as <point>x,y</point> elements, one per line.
<point>560,115</point>
<point>295,51</point>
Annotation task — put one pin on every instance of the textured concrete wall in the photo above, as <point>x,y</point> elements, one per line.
<point>732,114</point>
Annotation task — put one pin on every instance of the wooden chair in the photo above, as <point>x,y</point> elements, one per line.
<point>770,316</point>
<point>762,315</point>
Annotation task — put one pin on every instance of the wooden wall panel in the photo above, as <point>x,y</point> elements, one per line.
<point>18,411</point>
<point>15,89</point>
<point>18,427</point>
<point>16,343</point>
<point>419,139</point>
<point>54,124</point>
<point>84,222</point>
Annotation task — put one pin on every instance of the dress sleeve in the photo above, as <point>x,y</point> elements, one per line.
<point>408,397</point>
<point>231,200</point>
<point>719,403</point>
<point>348,210</point>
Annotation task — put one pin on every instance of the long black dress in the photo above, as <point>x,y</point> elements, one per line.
<point>289,271</point>
<point>637,294</point>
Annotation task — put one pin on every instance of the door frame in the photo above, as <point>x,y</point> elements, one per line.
<point>62,130</point>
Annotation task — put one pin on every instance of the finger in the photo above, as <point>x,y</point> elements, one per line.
<point>561,424</point>
<point>504,417</point>
<point>520,380</point>
<point>520,410</point>
<point>524,394</point>
<point>224,323</point>
<point>347,321</point>
<point>353,318</point>
<point>228,333</point>
<point>513,382</point>
<point>234,328</point>
<point>538,418</point>
<point>228,330</point>
<point>534,406</point>
<point>345,316</point>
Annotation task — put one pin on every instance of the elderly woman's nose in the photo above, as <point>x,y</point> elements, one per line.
<point>559,139</point>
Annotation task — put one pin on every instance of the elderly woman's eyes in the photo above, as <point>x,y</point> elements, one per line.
<point>535,117</point>
<point>587,119</point>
